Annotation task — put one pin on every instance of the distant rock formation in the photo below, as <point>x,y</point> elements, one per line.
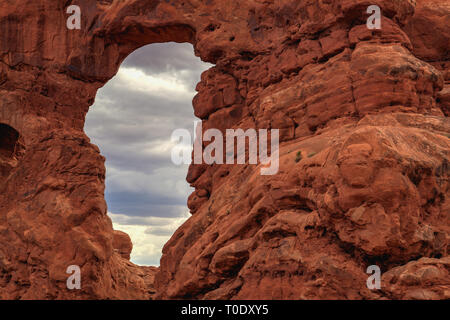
<point>364,154</point>
<point>122,243</point>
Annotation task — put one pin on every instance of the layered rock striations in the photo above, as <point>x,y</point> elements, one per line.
<point>364,153</point>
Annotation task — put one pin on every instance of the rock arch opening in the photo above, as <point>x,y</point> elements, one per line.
<point>131,121</point>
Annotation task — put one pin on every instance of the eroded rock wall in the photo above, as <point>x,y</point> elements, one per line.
<point>364,154</point>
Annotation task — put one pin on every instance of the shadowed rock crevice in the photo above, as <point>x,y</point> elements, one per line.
<point>11,149</point>
<point>8,141</point>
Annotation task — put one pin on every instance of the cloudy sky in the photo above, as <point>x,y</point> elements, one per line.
<point>132,121</point>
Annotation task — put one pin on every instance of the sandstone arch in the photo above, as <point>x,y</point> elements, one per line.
<point>348,100</point>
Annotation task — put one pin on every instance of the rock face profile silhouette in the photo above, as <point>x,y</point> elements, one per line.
<point>364,150</point>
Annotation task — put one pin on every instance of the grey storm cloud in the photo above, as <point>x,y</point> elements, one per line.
<point>128,159</point>
<point>145,204</point>
<point>135,118</point>
<point>159,230</point>
<point>170,57</point>
<point>152,221</point>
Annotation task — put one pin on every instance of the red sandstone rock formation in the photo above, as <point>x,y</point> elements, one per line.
<point>122,244</point>
<point>364,158</point>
